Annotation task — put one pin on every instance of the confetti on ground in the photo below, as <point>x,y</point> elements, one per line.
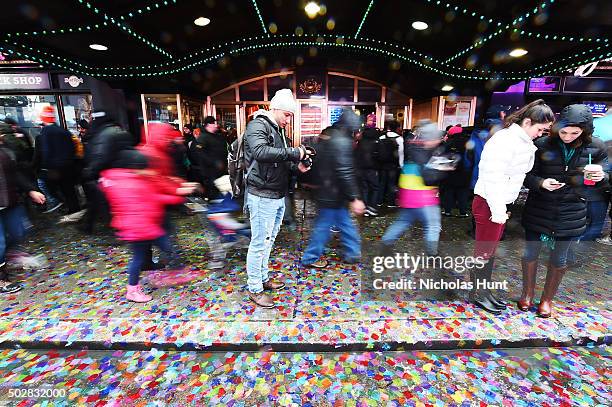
<point>513,377</point>
<point>80,298</point>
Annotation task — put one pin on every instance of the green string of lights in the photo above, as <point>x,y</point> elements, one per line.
<point>339,43</point>
<point>125,28</point>
<point>263,25</point>
<point>143,10</point>
<point>72,30</point>
<point>364,18</point>
<point>503,29</point>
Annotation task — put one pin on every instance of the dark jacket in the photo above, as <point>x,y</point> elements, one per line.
<point>101,151</point>
<point>12,179</point>
<point>460,178</point>
<point>367,153</point>
<point>335,169</point>
<point>274,159</point>
<point>389,152</point>
<point>209,152</point>
<point>560,213</point>
<point>54,148</point>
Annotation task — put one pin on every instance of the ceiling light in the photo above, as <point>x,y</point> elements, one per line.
<point>518,52</point>
<point>419,25</point>
<point>312,9</point>
<point>201,21</point>
<point>98,47</point>
<point>447,88</point>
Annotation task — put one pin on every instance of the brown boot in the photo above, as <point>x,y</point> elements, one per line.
<point>554,275</point>
<point>273,285</point>
<point>529,280</point>
<point>261,299</point>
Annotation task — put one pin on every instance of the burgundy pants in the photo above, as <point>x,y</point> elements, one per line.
<point>487,233</point>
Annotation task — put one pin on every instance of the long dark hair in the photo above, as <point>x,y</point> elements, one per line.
<point>583,140</point>
<point>537,111</point>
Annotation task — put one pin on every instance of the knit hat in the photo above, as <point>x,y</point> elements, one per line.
<point>576,115</point>
<point>47,115</point>
<point>283,100</point>
<point>455,130</point>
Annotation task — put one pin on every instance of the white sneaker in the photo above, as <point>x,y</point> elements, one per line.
<point>73,217</point>
<point>29,262</point>
<point>605,240</point>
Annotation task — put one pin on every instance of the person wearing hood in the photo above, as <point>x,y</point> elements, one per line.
<point>568,167</point>
<point>104,139</point>
<point>158,148</point>
<point>338,190</point>
<point>138,198</point>
<point>209,151</point>
<point>367,159</point>
<point>391,161</point>
<point>269,161</point>
<point>506,158</point>
<point>418,200</point>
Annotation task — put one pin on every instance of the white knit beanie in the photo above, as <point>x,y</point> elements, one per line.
<point>283,100</point>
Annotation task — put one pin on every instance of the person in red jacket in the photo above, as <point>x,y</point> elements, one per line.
<point>138,203</point>
<point>158,147</point>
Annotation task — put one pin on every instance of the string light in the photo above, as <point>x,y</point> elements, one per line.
<point>263,25</point>
<point>498,32</point>
<point>364,18</point>
<point>287,41</point>
<point>125,28</point>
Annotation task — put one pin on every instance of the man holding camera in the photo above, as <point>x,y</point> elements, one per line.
<point>269,161</point>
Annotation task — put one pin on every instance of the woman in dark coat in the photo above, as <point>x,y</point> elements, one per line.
<point>555,211</point>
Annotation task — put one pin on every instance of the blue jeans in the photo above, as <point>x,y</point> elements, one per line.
<point>349,235</point>
<point>52,201</point>
<point>533,246</point>
<point>141,252</point>
<point>266,217</point>
<point>429,216</point>
<point>596,214</point>
<point>12,228</point>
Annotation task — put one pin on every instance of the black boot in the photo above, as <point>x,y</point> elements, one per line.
<point>499,303</point>
<point>482,297</point>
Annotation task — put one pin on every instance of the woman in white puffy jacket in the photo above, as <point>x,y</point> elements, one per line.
<point>507,157</point>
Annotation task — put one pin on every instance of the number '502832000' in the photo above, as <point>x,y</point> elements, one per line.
<point>37,392</point>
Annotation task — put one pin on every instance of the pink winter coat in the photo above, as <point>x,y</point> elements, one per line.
<point>137,203</point>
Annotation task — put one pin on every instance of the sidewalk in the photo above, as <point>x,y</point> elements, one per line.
<point>80,302</point>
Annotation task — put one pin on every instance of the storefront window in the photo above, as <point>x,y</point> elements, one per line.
<point>277,83</point>
<point>26,110</point>
<point>192,112</point>
<point>395,112</point>
<point>226,117</point>
<point>341,89</point>
<point>252,91</point>
<point>227,96</point>
<point>76,108</point>
<point>162,108</point>
<point>368,92</point>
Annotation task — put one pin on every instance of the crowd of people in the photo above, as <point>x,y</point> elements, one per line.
<point>354,169</point>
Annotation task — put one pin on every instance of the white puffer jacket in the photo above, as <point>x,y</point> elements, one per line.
<point>506,158</point>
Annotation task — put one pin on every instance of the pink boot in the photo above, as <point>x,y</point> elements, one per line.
<point>135,293</point>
